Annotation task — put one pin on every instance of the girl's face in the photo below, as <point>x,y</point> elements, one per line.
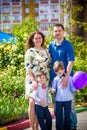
<point>60,72</point>
<point>37,40</point>
<point>42,79</point>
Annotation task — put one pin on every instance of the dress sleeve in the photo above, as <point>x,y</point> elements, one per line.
<point>48,59</point>
<point>28,61</point>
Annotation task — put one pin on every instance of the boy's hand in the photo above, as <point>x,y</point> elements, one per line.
<point>53,90</point>
<point>77,90</point>
<point>42,103</point>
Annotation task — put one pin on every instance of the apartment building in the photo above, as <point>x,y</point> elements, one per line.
<point>48,12</point>
<point>10,13</point>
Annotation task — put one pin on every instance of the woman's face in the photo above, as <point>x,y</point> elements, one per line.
<point>37,40</point>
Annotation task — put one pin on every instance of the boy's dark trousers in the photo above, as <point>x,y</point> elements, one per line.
<point>63,107</point>
<point>44,117</point>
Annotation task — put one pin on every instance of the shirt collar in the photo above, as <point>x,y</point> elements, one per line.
<point>56,44</point>
<point>62,76</point>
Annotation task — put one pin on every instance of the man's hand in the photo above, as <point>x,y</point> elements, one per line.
<point>64,82</point>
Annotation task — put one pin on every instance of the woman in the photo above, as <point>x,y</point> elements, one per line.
<point>36,59</point>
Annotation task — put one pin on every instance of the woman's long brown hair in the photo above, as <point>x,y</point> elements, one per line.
<point>30,43</point>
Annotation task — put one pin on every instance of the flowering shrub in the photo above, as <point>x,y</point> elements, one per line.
<point>12,77</point>
<point>12,72</point>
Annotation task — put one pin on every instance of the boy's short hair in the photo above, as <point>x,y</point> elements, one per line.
<point>58,65</point>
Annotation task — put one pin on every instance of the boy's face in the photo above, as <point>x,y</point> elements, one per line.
<point>60,72</point>
<point>42,79</point>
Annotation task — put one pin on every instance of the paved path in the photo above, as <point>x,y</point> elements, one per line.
<point>82,121</point>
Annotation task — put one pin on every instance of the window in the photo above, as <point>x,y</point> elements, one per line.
<point>5,18</point>
<point>27,10</point>
<point>36,10</point>
<point>6,9</point>
<point>36,18</point>
<point>16,9</point>
<point>27,1</point>
<point>36,1</point>
<point>17,17</point>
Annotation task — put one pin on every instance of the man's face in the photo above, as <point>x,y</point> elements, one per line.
<point>58,32</point>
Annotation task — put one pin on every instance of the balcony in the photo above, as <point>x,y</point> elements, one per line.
<point>44,2</point>
<point>5,13</point>
<point>54,1</point>
<point>5,21</point>
<point>16,3</point>
<point>54,20</point>
<point>16,12</point>
<point>16,21</point>
<point>44,20</point>
<point>5,3</point>
<point>44,29</point>
<point>43,11</point>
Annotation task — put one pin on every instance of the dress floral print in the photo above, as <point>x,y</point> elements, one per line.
<point>35,60</point>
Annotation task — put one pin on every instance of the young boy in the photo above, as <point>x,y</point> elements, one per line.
<point>64,97</point>
<point>41,102</point>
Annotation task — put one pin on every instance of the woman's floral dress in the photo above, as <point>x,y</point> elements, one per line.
<point>35,60</point>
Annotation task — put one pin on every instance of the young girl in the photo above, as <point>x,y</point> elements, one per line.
<point>64,97</point>
<point>41,102</point>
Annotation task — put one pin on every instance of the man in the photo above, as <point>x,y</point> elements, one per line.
<point>62,50</point>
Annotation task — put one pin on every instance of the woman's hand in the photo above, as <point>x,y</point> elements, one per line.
<point>34,85</point>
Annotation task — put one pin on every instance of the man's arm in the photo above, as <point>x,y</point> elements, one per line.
<point>69,68</point>
<point>65,79</point>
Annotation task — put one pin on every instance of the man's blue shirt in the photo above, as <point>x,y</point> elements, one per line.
<point>63,52</point>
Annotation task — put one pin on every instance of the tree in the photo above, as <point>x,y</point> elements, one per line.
<point>22,31</point>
